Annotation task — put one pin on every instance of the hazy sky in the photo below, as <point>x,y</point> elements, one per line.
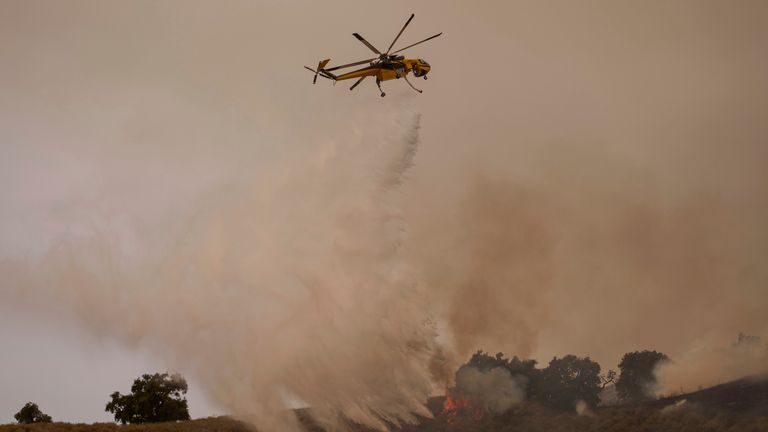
<point>590,179</point>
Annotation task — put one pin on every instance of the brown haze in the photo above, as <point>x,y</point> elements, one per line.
<point>590,179</point>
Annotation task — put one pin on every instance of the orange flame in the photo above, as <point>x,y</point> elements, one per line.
<point>456,405</point>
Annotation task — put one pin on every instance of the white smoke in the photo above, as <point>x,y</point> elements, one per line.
<point>494,390</point>
<point>703,364</point>
<point>582,409</point>
<point>675,407</point>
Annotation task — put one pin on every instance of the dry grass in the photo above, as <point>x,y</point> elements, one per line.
<point>217,424</point>
<point>524,418</point>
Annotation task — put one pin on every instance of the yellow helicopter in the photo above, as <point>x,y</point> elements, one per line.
<point>385,67</point>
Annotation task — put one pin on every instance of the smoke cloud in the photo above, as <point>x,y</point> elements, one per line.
<point>493,391</point>
<point>703,365</point>
<point>171,179</point>
<point>582,409</point>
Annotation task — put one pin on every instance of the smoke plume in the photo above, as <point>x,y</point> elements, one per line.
<point>493,391</point>
<point>703,365</point>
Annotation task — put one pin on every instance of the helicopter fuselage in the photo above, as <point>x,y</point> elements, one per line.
<point>389,70</point>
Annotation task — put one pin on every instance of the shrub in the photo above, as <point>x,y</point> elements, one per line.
<point>30,413</point>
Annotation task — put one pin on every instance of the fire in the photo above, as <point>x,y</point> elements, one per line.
<point>457,405</point>
<point>453,406</point>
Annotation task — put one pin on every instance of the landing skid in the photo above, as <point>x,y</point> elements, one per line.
<point>409,83</point>
<point>378,84</point>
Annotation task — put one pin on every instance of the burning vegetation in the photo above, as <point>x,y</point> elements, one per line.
<point>457,406</point>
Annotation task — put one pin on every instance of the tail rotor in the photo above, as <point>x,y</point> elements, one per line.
<point>319,70</point>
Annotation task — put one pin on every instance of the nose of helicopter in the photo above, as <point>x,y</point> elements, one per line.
<point>422,68</point>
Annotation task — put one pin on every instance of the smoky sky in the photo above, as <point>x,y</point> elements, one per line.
<point>583,178</point>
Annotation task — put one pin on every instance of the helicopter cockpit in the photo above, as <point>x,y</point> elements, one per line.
<point>421,69</point>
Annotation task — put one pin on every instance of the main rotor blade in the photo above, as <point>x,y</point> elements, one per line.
<point>413,45</point>
<point>361,39</point>
<point>349,65</point>
<point>401,32</point>
<point>358,82</point>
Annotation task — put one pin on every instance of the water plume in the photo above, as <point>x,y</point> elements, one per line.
<point>291,290</point>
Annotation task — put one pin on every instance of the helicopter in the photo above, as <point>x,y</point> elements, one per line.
<point>385,67</point>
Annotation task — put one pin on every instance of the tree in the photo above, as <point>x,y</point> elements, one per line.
<point>485,362</point>
<point>153,398</point>
<point>750,344</point>
<point>747,340</point>
<point>609,378</point>
<point>525,368</point>
<point>637,380</point>
<point>30,413</point>
<point>568,380</point>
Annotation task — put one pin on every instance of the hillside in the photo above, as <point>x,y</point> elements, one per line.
<point>738,406</point>
<point>744,396</point>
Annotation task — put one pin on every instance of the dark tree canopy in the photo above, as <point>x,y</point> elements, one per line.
<point>31,413</point>
<point>749,343</point>
<point>567,380</point>
<point>637,379</point>
<point>153,398</point>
